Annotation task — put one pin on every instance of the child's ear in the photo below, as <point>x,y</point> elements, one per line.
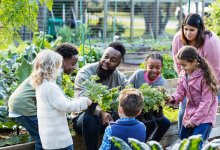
<point>139,112</point>
<point>195,62</point>
<point>119,109</point>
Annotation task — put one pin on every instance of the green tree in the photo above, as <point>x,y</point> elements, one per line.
<point>213,21</point>
<point>15,14</point>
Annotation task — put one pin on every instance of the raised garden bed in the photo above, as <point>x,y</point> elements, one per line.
<point>169,138</point>
<point>137,58</point>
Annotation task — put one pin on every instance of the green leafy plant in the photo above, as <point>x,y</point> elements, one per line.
<point>160,47</point>
<point>192,143</point>
<point>135,144</point>
<point>17,13</point>
<point>15,63</point>
<point>213,145</point>
<point>68,85</point>
<point>213,21</point>
<point>88,55</point>
<point>168,71</point>
<point>170,113</point>
<point>1,102</point>
<point>42,41</point>
<point>66,33</point>
<point>14,139</point>
<point>153,98</point>
<point>78,32</point>
<point>100,93</point>
<point>119,143</point>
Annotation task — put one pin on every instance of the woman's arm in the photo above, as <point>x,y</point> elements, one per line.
<point>176,44</point>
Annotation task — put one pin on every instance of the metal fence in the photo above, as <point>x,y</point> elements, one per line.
<point>107,20</point>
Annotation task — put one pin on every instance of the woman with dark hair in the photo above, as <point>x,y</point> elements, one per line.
<point>193,33</point>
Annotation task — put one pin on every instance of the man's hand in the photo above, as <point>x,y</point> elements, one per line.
<point>106,118</point>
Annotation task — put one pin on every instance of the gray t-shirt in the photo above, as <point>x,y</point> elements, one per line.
<point>137,79</point>
<point>116,79</point>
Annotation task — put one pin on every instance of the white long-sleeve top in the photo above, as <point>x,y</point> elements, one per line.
<point>52,106</point>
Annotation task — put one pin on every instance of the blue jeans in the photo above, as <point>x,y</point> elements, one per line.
<point>156,128</point>
<point>203,129</point>
<point>182,107</point>
<point>30,123</point>
<point>89,126</point>
<point>67,148</point>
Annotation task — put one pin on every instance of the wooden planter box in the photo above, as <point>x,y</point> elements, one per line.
<point>169,138</point>
<point>25,146</point>
<point>137,58</point>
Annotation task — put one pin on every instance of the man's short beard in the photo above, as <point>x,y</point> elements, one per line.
<point>103,74</point>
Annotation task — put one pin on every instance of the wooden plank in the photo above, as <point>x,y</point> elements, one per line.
<point>139,57</point>
<point>25,146</point>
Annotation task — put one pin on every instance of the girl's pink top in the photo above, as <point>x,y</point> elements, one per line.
<point>201,106</point>
<point>146,79</point>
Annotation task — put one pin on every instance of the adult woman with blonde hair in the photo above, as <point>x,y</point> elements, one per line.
<point>193,33</point>
<point>52,105</point>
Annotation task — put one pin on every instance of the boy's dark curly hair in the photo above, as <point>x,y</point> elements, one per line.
<point>119,47</point>
<point>66,50</point>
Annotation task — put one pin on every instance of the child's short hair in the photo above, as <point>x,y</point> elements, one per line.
<point>66,50</point>
<point>132,101</point>
<point>154,56</point>
<point>45,66</point>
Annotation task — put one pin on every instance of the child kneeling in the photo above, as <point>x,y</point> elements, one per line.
<point>131,102</point>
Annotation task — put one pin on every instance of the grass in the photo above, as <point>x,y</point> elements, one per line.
<point>123,18</point>
<point>137,32</point>
<point>170,31</point>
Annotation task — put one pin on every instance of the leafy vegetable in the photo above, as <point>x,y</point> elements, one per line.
<point>170,113</point>
<point>68,85</point>
<point>119,143</point>
<point>153,98</point>
<point>106,98</point>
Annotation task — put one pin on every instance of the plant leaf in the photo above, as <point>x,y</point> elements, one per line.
<point>137,145</point>
<point>23,70</point>
<point>119,143</point>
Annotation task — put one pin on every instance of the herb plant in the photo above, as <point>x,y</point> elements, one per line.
<point>213,21</point>
<point>15,14</point>
<point>98,93</point>
<point>68,85</point>
<point>153,97</point>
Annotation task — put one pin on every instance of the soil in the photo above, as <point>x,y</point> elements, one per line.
<point>4,134</point>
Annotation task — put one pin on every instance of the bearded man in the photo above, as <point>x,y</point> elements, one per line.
<point>91,121</point>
